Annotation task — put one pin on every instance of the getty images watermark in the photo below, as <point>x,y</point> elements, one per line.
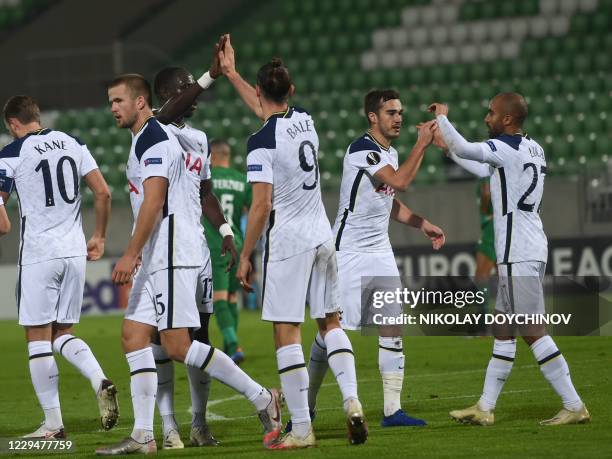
<point>458,306</point>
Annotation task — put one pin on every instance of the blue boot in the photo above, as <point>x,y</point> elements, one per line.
<point>400,418</point>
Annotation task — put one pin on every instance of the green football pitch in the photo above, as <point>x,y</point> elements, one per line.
<point>441,374</point>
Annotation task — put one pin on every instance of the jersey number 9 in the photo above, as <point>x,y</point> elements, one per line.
<point>306,166</point>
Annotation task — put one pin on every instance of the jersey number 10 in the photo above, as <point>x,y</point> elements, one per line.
<point>61,182</point>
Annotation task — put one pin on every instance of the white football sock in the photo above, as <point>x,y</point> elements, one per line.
<point>317,367</point>
<point>556,371</point>
<point>143,385</point>
<point>222,368</point>
<point>294,381</point>
<point>78,353</point>
<point>342,362</point>
<point>165,387</point>
<point>199,387</point>
<point>45,379</point>
<point>498,371</point>
<point>391,366</point>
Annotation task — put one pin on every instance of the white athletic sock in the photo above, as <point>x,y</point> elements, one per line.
<point>78,353</point>
<point>342,362</point>
<point>165,387</point>
<point>143,385</point>
<point>556,371</point>
<point>222,368</point>
<point>391,366</point>
<point>199,387</point>
<point>317,367</point>
<point>45,379</point>
<point>498,371</point>
<point>294,381</point>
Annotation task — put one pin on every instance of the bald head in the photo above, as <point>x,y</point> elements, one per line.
<point>507,113</point>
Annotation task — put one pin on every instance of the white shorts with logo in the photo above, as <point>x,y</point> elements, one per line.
<point>380,268</point>
<point>171,298</point>
<point>51,291</point>
<point>310,277</point>
<point>519,289</point>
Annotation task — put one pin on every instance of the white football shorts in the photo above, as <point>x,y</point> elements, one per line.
<point>170,298</point>
<point>360,273</point>
<point>51,291</point>
<point>310,277</point>
<point>519,289</point>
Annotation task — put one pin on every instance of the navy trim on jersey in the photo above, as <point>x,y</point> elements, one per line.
<point>508,237</point>
<point>512,140</point>
<point>351,206</point>
<point>170,270</point>
<point>152,134</point>
<point>510,288</point>
<point>6,184</point>
<point>504,190</point>
<point>78,140</point>
<point>265,137</point>
<point>267,255</point>
<point>364,143</point>
<point>289,112</point>
<point>300,110</point>
<point>13,149</point>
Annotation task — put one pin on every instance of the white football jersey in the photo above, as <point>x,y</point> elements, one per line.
<point>517,185</point>
<point>362,223</point>
<point>45,169</point>
<point>284,153</point>
<point>156,152</point>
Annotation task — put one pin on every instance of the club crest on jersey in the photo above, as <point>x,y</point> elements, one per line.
<point>385,189</point>
<point>373,158</point>
<point>149,161</point>
<point>254,168</point>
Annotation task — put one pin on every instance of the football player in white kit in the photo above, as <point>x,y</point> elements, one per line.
<point>516,165</point>
<point>45,168</point>
<point>169,83</point>
<point>371,176</point>
<point>168,234</point>
<point>299,263</point>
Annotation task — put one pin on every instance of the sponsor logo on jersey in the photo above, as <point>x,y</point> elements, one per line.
<point>254,168</point>
<point>373,158</point>
<point>152,161</point>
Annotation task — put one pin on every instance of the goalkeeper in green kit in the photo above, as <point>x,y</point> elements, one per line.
<point>234,194</point>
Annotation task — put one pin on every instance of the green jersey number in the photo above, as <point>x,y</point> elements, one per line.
<point>227,204</point>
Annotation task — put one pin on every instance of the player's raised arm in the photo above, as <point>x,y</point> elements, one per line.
<point>212,210</point>
<point>402,214</point>
<point>5,223</point>
<point>177,105</point>
<point>102,206</point>
<point>401,178</point>
<point>228,67</point>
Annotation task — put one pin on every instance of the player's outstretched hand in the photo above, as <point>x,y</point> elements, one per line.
<point>243,274</point>
<point>227,57</point>
<point>124,269</point>
<point>438,140</point>
<point>215,65</point>
<point>438,109</point>
<point>228,245</point>
<point>425,133</point>
<point>95,248</point>
<point>434,234</point>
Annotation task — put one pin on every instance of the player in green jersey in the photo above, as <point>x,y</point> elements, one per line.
<point>234,193</point>
<point>485,251</point>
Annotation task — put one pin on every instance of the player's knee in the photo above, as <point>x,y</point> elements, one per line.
<point>175,351</point>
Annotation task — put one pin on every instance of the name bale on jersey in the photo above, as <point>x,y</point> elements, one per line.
<point>44,147</point>
<point>299,128</point>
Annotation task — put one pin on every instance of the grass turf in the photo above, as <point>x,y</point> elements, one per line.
<point>442,373</point>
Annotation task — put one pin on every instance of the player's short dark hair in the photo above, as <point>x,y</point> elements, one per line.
<point>274,80</point>
<point>136,84</point>
<point>23,108</point>
<point>166,82</point>
<point>374,100</point>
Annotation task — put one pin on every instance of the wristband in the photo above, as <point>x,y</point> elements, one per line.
<point>205,80</point>
<point>1,201</point>
<point>226,230</point>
